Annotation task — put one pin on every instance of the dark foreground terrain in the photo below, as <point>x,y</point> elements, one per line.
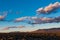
<point>51,34</point>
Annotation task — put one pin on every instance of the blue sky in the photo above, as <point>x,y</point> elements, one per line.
<point>24,8</point>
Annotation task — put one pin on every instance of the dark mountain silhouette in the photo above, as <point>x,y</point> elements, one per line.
<point>40,34</point>
<point>51,30</point>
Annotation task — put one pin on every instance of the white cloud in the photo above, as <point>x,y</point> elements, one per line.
<point>48,8</point>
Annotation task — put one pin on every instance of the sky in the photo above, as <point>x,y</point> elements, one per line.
<point>21,8</point>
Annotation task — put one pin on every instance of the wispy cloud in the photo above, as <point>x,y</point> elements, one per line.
<point>7,28</point>
<point>3,16</point>
<point>20,19</point>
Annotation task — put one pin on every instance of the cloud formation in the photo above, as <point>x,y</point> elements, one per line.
<point>48,20</point>
<point>3,16</point>
<point>7,28</point>
<point>51,7</point>
<point>20,19</point>
<point>48,9</point>
<point>42,20</point>
<point>35,20</point>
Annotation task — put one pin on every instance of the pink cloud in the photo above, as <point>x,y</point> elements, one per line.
<point>1,17</point>
<point>48,8</point>
<point>20,19</point>
<point>7,28</point>
<point>4,15</point>
<point>46,19</point>
<point>20,27</point>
